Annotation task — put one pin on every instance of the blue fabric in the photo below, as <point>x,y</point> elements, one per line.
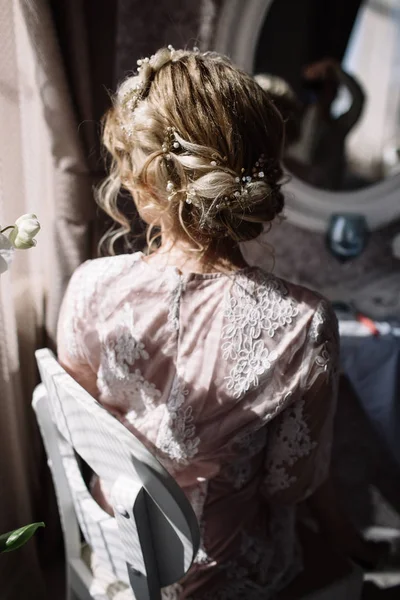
<point>372,365</point>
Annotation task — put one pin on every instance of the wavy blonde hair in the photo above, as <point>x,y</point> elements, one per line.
<point>223,122</point>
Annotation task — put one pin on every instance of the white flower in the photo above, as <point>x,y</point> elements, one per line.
<point>24,231</point>
<point>6,253</point>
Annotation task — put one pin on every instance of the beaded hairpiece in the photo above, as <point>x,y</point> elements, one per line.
<point>133,96</point>
<point>239,196</point>
<point>169,145</point>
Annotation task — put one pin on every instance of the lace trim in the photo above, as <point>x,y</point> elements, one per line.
<point>257,303</point>
<point>177,434</point>
<point>177,289</point>
<point>291,442</point>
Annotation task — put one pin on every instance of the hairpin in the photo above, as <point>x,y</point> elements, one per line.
<point>132,97</point>
<point>243,181</point>
<point>190,196</point>
<point>170,142</point>
<point>171,189</point>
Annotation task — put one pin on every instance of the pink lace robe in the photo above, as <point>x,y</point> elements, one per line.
<point>230,381</point>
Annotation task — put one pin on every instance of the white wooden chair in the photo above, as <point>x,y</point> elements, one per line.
<point>154,536</point>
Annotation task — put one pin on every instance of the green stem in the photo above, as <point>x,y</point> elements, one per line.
<point>7,228</point>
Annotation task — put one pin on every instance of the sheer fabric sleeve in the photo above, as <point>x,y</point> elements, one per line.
<point>74,326</point>
<point>299,438</point>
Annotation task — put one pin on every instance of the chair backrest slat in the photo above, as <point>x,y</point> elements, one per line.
<point>150,504</point>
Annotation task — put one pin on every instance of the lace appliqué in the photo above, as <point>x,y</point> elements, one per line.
<point>251,442</point>
<point>322,315</point>
<point>257,303</point>
<point>290,443</point>
<point>177,434</point>
<point>247,445</point>
<point>177,285</point>
<point>263,566</point>
<point>116,376</point>
<point>239,472</point>
<point>323,333</point>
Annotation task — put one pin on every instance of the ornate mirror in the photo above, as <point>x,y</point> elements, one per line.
<point>341,59</point>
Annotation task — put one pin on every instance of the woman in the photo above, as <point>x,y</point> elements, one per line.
<point>227,373</point>
<point>323,136</point>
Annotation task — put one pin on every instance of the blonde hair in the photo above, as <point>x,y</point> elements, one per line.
<point>222,122</point>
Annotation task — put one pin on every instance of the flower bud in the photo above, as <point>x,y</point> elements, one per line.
<point>24,232</point>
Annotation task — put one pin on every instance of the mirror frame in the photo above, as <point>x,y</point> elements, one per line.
<point>237,33</point>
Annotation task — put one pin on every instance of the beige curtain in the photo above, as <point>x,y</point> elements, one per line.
<point>42,170</point>
<point>71,182</point>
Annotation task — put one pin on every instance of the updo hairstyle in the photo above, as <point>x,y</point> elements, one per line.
<point>197,143</point>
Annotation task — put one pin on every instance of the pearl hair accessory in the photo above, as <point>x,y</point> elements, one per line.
<point>171,189</point>
<point>243,181</point>
<point>190,196</point>
<point>239,196</point>
<point>133,96</point>
<point>170,142</point>
<point>129,103</point>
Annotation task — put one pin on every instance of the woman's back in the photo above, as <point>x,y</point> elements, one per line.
<point>228,379</point>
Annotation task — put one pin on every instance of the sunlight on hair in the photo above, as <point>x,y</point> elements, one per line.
<point>197,143</point>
